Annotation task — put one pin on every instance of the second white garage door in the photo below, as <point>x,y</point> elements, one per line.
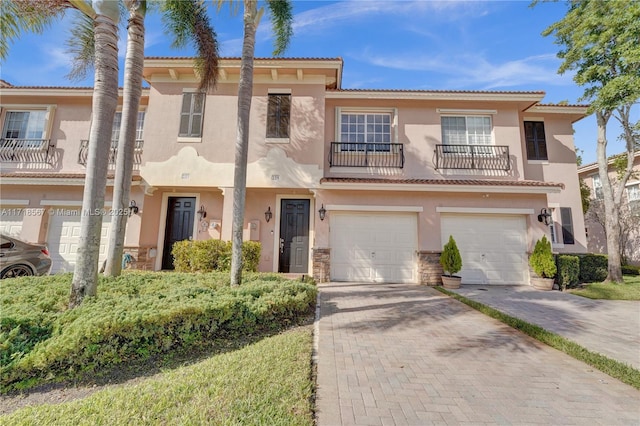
<point>493,248</point>
<point>62,241</point>
<point>373,247</point>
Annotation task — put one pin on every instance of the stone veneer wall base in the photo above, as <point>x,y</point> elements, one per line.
<point>429,268</point>
<point>321,264</point>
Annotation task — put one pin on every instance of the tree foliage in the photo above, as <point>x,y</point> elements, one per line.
<point>450,258</point>
<point>600,42</point>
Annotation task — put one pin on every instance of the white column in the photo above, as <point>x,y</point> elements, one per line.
<point>227,213</point>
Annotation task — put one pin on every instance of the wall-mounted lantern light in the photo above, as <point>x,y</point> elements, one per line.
<point>544,217</point>
<point>133,207</point>
<point>322,212</point>
<point>268,215</point>
<point>202,213</point>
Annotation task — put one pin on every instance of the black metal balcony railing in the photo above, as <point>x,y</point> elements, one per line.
<point>26,151</point>
<point>356,154</point>
<point>113,152</point>
<point>472,157</point>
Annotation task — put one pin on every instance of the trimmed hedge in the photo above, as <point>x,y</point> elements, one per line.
<point>593,267</point>
<point>630,270</point>
<point>135,316</point>
<point>213,255</point>
<point>568,271</point>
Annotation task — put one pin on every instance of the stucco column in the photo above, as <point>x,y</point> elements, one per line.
<point>34,224</point>
<point>227,213</point>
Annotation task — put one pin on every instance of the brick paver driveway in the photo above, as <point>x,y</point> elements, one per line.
<point>406,354</point>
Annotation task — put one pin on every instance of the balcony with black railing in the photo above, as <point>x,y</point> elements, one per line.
<point>359,154</point>
<point>472,157</point>
<point>28,151</point>
<point>113,153</point>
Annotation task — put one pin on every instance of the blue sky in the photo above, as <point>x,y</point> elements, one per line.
<point>456,45</point>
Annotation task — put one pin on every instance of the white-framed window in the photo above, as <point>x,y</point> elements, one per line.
<point>191,114</point>
<point>26,125</point>
<point>117,122</point>
<point>633,192</point>
<point>466,130</point>
<point>597,186</point>
<point>366,131</point>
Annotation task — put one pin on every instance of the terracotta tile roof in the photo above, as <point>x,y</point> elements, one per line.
<point>35,175</point>
<point>50,87</point>
<point>477,182</point>
<point>440,91</point>
<point>565,105</point>
<point>238,58</point>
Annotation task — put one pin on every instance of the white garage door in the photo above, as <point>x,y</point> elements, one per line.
<point>493,248</point>
<point>11,221</point>
<point>374,247</point>
<point>62,241</point>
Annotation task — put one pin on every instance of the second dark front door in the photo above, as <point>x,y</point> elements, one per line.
<point>179,226</point>
<point>294,236</point>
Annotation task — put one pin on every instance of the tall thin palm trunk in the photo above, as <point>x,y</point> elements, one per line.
<point>245,93</point>
<point>133,66</point>
<point>105,101</point>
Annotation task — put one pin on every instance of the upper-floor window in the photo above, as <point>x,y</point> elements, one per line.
<point>278,115</point>
<point>365,131</point>
<point>117,123</point>
<point>472,130</point>
<point>24,125</point>
<point>633,192</point>
<point>191,114</point>
<point>535,140</point>
<point>597,186</point>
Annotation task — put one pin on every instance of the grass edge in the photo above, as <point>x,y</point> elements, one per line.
<point>616,369</point>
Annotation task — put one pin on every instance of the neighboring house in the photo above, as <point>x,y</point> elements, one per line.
<point>629,211</point>
<point>342,184</point>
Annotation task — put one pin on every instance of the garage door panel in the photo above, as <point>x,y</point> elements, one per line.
<point>373,247</point>
<point>493,248</point>
<point>63,239</point>
<point>10,224</point>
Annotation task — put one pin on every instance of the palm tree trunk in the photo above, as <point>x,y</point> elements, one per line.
<point>105,101</point>
<point>134,62</point>
<point>245,93</point>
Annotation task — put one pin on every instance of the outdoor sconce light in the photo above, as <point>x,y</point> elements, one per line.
<point>202,213</point>
<point>268,215</point>
<point>133,207</point>
<point>322,212</point>
<point>544,217</point>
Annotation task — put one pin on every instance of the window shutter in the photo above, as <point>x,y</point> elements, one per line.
<point>278,115</point>
<point>567,225</point>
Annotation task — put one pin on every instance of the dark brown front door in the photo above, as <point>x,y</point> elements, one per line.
<point>294,236</point>
<point>179,226</point>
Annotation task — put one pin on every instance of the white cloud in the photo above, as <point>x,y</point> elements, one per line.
<point>464,71</point>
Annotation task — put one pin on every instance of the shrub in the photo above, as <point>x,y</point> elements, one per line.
<point>593,267</point>
<point>450,258</point>
<point>541,259</point>
<point>213,255</point>
<point>630,270</point>
<point>136,316</point>
<point>568,271</point>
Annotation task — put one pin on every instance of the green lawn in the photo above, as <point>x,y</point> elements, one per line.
<point>268,382</point>
<point>630,290</point>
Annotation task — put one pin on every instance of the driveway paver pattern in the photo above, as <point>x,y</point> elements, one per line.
<point>403,354</point>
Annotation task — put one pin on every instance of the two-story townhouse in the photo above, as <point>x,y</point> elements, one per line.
<point>356,185</point>
<point>43,155</point>
<point>629,211</point>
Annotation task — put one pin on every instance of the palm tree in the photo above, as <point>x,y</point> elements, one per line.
<point>187,20</point>
<point>105,102</point>
<point>34,15</point>
<point>281,14</point>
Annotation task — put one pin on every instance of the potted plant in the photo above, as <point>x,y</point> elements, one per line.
<point>451,264</point>
<point>543,265</point>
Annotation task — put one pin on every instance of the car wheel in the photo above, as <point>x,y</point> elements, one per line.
<point>17,271</point>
